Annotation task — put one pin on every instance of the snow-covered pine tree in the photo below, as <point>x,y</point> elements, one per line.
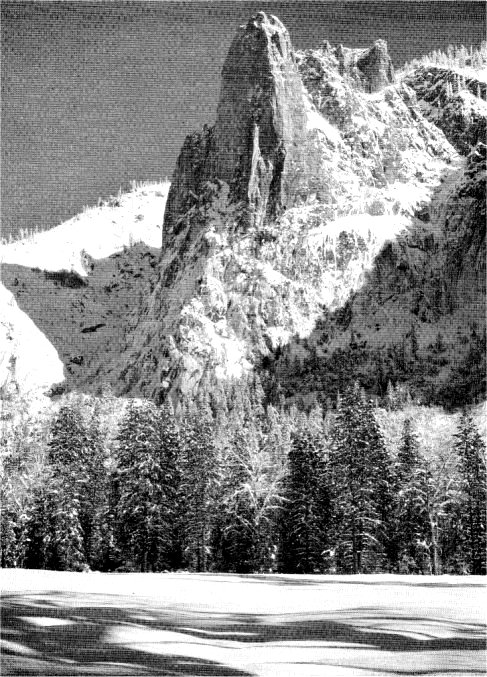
<point>361,480</point>
<point>471,453</point>
<point>94,498</point>
<point>305,514</point>
<point>410,518</point>
<point>199,488</point>
<point>250,498</point>
<point>145,473</point>
<point>56,539</point>
<point>170,453</point>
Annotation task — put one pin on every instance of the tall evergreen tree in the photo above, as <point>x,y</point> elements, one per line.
<point>146,480</point>
<point>94,499</point>
<point>411,490</point>
<point>200,482</point>
<point>56,537</point>
<point>361,477</point>
<point>305,514</point>
<point>471,452</point>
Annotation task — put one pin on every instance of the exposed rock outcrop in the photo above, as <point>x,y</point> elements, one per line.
<point>456,103</point>
<point>258,143</point>
<point>372,67</point>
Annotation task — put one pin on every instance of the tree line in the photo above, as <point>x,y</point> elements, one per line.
<point>250,489</point>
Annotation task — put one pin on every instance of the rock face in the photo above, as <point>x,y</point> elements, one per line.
<point>454,102</point>
<point>80,300</point>
<point>260,132</point>
<point>258,144</point>
<point>370,67</point>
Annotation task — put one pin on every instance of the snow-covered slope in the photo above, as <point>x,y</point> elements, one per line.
<point>97,232</point>
<point>72,301</point>
<point>29,363</point>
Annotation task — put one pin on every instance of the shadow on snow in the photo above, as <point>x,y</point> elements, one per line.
<point>75,640</point>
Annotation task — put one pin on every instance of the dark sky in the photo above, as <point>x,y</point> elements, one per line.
<point>95,94</point>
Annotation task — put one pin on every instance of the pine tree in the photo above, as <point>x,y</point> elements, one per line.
<point>305,513</point>
<point>22,463</point>
<point>146,486</point>
<point>411,523</point>
<point>56,538</point>
<point>361,480</point>
<point>471,452</point>
<point>171,452</point>
<point>199,489</point>
<point>94,499</point>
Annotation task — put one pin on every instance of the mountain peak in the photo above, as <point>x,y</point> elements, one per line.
<point>257,145</point>
<point>261,123</point>
<point>372,68</point>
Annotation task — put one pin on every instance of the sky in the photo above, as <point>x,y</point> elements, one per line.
<point>97,94</point>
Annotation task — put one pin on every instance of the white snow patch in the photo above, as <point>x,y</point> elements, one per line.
<point>27,358</point>
<point>278,336</point>
<point>317,121</point>
<point>46,621</point>
<point>377,228</point>
<point>293,619</point>
<point>99,232</point>
<point>202,335</point>
<point>271,275</point>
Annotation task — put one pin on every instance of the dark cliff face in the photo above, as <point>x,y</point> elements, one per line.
<point>371,68</point>
<point>258,143</point>
<point>260,130</point>
<point>454,102</point>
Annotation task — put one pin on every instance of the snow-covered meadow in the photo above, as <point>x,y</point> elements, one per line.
<point>63,623</point>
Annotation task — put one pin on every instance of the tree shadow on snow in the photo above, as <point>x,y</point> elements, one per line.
<point>63,637</point>
<point>308,580</point>
<point>75,636</point>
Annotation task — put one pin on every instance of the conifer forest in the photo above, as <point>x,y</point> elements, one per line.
<point>231,485</point>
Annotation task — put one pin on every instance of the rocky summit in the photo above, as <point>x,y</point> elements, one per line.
<point>258,143</point>
<point>330,225</point>
<point>318,208</point>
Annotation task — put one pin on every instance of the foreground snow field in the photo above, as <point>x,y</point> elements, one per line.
<point>285,626</point>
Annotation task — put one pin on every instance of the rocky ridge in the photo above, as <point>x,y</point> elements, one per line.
<point>262,240</point>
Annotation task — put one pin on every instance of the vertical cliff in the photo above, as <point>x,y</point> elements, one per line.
<point>258,143</point>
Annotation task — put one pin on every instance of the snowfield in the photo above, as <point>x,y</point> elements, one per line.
<point>60,623</point>
<point>98,232</point>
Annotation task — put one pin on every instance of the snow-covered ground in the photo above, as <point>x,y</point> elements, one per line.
<point>283,626</point>
<point>136,216</point>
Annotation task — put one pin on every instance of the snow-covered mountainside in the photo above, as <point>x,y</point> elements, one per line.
<point>322,180</point>
<point>29,363</point>
<point>75,288</point>
<point>96,233</point>
<point>329,226</point>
